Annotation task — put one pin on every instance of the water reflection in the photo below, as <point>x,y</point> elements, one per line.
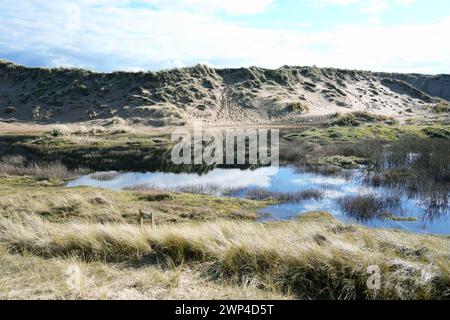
<point>226,178</point>
<point>400,210</point>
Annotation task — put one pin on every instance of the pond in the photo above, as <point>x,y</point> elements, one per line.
<point>332,194</point>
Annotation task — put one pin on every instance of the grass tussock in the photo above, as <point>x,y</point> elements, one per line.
<point>312,257</point>
<point>364,207</point>
<point>40,278</point>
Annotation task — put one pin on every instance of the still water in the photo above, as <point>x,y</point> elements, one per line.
<point>284,179</point>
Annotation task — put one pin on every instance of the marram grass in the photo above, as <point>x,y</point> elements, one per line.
<point>314,256</point>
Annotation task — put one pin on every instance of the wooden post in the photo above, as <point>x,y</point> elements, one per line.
<point>152,216</point>
<point>141,219</point>
<point>144,215</point>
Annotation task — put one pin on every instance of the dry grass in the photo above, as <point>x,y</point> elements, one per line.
<point>21,196</point>
<point>17,166</point>
<point>312,257</point>
<point>32,277</point>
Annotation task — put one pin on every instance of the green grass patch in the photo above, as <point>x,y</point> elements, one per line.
<point>369,132</point>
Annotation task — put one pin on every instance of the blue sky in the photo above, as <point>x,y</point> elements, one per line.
<point>107,35</point>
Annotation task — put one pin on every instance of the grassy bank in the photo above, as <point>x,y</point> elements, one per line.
<point>95,149</point>
<point>330,148</point>
<point>342,143</point>
<point>21,196</point>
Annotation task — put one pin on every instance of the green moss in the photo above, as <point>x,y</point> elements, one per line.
<point>28,181</point>
<point>437,132</point>
<point>376,132</point>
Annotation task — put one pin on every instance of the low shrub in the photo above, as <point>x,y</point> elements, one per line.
<point>358,118</point>
<point>56,132</point>
<point>442,107</point>
<point>10,110</point>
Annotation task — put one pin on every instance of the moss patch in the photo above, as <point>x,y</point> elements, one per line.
<point>376,132</point>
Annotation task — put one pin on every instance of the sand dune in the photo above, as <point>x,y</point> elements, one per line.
<point>288,95</point>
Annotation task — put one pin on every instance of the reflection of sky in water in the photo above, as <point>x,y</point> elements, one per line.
<point>227,178</point>
<point>283,179</point>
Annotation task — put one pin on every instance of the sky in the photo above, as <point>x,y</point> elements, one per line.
<point>141,35</point>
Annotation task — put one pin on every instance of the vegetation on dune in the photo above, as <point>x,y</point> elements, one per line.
<point>356,119</point>
<point>442,107</point>
<point>298,106</point>
<point>367,132</point>
<point>313,257</point>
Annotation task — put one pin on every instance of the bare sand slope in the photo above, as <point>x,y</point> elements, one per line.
<point>288,95</point>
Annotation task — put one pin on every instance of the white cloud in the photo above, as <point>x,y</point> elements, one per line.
<point>113,37</point>
<point>366,6</point>
<point>373,8</point>
<point>364,2</point>
<point>302,24</point>
<point>234,7</point>
<point>337,2</point>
